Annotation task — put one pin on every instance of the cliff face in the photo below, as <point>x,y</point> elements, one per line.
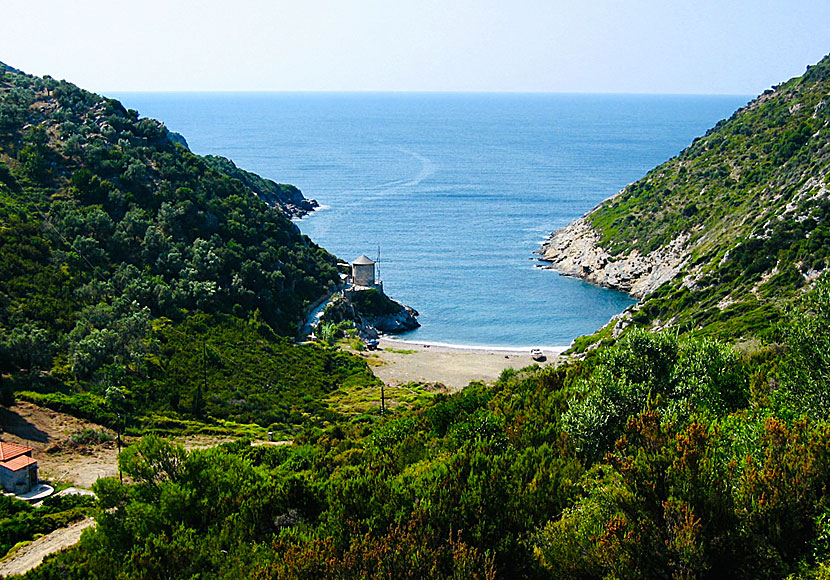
<point>726,234</point>
<point>575,251</point>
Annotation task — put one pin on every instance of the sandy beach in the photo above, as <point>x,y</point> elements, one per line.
<point>397,362</point>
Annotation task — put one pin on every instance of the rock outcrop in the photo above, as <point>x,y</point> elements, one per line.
<point>371,312</point>
<point>728,232</point>
<point>574,250</point>
<point>288,198</point>
<point>401,321</point>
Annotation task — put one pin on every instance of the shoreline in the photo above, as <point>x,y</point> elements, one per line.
<point>392,340</point>
<point>309,213</point>
<point>397,362</point>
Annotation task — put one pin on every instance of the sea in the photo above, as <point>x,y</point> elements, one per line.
<point>452,192</point>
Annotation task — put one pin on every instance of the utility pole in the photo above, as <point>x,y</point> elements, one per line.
<point>118,422</point>
<point>204,365</point>
<point>117,402</point>
<point>201,388</point>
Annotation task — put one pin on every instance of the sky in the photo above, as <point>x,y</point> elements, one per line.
<point>576,46</point>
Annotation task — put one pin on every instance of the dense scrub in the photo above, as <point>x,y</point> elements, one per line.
<point>21,522</point>
<point>127,261</point>
<point>659,458</point>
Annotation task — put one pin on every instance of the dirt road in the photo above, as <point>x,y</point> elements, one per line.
<point>32,555</point>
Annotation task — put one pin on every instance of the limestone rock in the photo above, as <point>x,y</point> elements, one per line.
<point>574,250</point>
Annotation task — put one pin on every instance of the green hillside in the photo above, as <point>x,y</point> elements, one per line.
<point>130,262</point>
<point>748,206</point>
<point>114,236</point>
<point>658,458</point>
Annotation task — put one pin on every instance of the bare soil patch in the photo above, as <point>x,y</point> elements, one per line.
<point>49,434</point>
<point>59,459</point>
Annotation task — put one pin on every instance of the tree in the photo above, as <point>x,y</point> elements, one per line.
<point>26,347</point>
<point>805,373</point>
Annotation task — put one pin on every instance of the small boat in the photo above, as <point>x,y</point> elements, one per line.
<point>537,354</point>
<point>372,344</point>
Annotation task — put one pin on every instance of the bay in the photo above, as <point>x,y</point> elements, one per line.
<point>457,190</point>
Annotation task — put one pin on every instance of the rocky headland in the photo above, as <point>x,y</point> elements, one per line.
<point>575,250</point>
<point>371,311</point>
<point>725,236</point>
<point>287,198</point>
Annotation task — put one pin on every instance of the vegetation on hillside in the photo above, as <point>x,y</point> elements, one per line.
<point>138,280</point>
<point>659,457</point>
<point>127,261</point>
<point>751,202</point>
<point>21,522</point>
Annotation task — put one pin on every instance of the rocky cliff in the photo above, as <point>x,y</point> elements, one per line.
<point>371,312</point>
<point>575,251</point>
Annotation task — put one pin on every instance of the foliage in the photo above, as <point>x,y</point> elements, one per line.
<point>699,473</point>
<point>806,370</point>
<point>654,369</point>
<point>84,405</point>
<point>19,521</point>
<point>126,260</point>
<point>373,303</point>
<point>748,205</point>
<point>411,494</point>
<point>90,437</point>
<point>658,456</point>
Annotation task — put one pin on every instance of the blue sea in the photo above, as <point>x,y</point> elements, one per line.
<point>455,191</point>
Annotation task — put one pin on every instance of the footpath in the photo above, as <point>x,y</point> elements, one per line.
<point>32,555</point>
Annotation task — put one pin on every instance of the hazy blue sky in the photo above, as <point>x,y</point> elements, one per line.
<point>640,46</point>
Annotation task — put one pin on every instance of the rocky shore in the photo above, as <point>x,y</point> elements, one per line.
<point>393,323</point>
<point>371,311</point>
<point>574,250</point>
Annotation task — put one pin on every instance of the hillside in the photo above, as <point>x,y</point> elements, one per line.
<point>660,457</point>
<point>724,235</point>
<point>126,260</point>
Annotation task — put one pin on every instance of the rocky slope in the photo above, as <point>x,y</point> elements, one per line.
<point>575,251</point>
<point>726,234</point>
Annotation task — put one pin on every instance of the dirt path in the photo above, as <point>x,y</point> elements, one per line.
<point>32,555</point>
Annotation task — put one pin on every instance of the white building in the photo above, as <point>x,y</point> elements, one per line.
<point>363,272</point>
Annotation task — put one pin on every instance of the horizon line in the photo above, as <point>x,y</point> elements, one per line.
<point>415,92</point>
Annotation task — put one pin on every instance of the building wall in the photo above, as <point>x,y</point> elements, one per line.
<point>363,275</point>
<point>15,481</point>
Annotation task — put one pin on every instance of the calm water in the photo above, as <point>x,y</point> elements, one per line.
<point>457,190</point>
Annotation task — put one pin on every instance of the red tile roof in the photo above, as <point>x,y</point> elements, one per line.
<point>18,463</point>
<point>11,450</point>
